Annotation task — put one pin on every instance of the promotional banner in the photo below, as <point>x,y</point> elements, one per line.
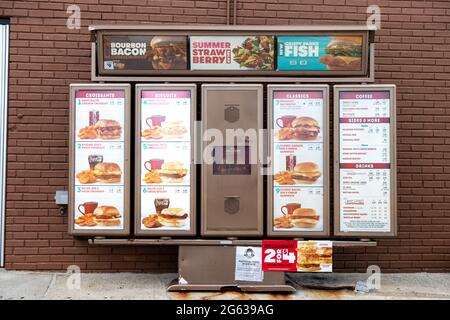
<point>298,161</point>
<point>99,160</point>
<point>297,256</point>
<point>365,168</point>
<point>320,53</point>
<point>165,160</point>
<point>143,52</point>
<point>232,52</point>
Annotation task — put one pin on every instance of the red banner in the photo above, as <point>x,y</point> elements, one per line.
<point>279,255</point>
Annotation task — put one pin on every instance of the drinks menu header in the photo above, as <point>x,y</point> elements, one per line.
<point>365,203</point>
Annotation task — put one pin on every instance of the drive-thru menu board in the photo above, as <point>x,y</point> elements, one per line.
<point>365,121</point>
<point>298,182</point>
<point>99,160</point>
<point>164,165</point>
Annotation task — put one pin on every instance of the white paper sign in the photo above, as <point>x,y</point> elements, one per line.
<point>248,264</point>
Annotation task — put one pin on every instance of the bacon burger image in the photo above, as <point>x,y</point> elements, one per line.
<point>326,254</point>
<point>172,217</point>
<point>108,129</point>
<point>308,263</point>
<point>168,53</point>
<point>306,218</point>
<point>172,172</point>
<point>107,172</point>
<point>108,216</point>
<point>306,173</point>
<point>343,53</point>
<point>307,257</point>
<point>305,128</point>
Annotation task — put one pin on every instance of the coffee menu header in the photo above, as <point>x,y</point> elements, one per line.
<point>145,53</point>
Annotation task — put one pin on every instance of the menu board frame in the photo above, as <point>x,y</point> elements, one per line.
<point>137,162</point>
<point>393,166</point>
<point>126,170</point>
<point>188,75</point>
<point>271,89</point>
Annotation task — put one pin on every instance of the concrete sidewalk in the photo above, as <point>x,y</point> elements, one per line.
<point>40,285</point>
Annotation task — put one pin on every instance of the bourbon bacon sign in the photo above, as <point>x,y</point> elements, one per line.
<point>141,53</point>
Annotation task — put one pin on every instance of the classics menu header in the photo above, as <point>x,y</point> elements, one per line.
<point>150,53</point>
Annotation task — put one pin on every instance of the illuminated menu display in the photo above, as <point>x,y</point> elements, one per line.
<point>165,161</point>
<point>99,169</point>
<point>298,167</point>
<point>365,203</point>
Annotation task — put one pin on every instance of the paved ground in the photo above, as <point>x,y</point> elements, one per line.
<point>39,285</point>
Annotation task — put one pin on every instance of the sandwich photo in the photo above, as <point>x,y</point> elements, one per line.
<point>303,173</point>
<point>343,53</point>
<point>168,53</point>
<point>170,172</point>
<point>172,217</point>
<point>305,218</point>
<point>305,128</point>
<point>107,216</point>
<point>174,129</point>
<point>307,257</point>
<point>301,128</point>
<point>107,129</point>
<point>326,254</point>
<point>107,172</point>
<point>308,263</point>
<point>306,172</point>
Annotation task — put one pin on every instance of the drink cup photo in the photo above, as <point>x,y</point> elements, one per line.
<point>161,204</point>
<point>155,121</point>
<point>289,208</point>
<point>286,121</point>
<point>153,164</point>
<point>88,207</point>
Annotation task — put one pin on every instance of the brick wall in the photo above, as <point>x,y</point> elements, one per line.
<point>412,51</point>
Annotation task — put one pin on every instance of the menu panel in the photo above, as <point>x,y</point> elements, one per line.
<point>98,160</point>
<point>299,163</point>
<point>365,160</point>
<point>164,165</point>
<point>321,52</point>
<point>232,52</point>
<point>142,53</point>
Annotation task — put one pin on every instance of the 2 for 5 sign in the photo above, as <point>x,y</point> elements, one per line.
<point>279,255</point>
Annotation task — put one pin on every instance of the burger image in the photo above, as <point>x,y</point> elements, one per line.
<point>308,258</point>
<point>108,129</point>
<point>308,263</point>
<point>168,53</point>
<point>172,217</point>
<point>326,254</point>
<point>304,218</point>
<point>173,129</point>
<point>107,216</point>
<point>305,128</point>
<point>172,172</point>
<point>343,53</point>
<point>107,172</point>
<point>306,172</point>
